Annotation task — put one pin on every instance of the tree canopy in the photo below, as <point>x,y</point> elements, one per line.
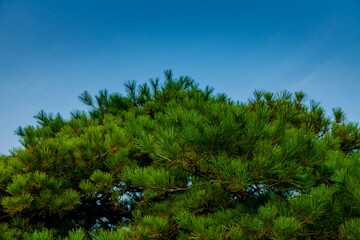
<point>173,161</point>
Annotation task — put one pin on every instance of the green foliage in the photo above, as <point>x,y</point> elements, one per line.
<point>351,229</point>
<point>45,234</point>
<point>173,161</point>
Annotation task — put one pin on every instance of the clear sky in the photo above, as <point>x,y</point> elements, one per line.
<point>51,51</point>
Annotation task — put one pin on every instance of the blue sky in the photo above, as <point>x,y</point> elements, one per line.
<point>51,51</point>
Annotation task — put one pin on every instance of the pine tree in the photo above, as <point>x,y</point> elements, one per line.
<point>173,161</point>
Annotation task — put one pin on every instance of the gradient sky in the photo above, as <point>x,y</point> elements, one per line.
<point>51,51</point>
